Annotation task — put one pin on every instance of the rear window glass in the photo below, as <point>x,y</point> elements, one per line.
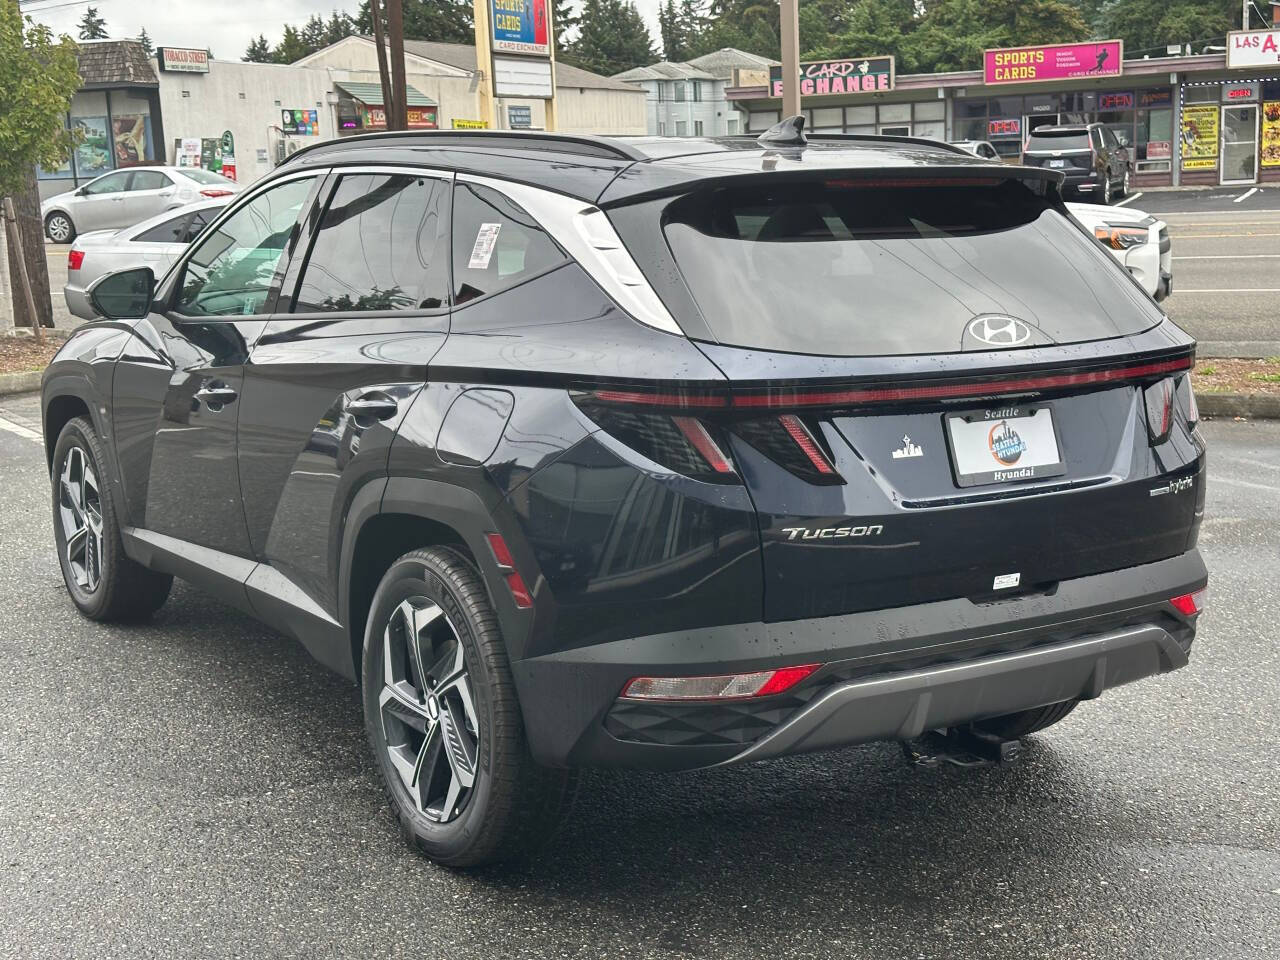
<point>206,177</point>
<point>843,268</point>
<point>1074,140</point>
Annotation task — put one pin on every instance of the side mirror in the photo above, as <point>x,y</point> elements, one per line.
<point>82,192</point>
<point>124,294</point>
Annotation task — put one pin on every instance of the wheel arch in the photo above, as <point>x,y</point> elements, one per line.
<point>412,513</point>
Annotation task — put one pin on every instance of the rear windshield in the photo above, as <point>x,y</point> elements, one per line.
<point>206,177</point>
<point>1067,140</point>
<point>845,269</point>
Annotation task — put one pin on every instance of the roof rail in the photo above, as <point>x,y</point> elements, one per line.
<point>530,140</point>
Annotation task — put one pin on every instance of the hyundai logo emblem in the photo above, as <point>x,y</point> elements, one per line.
<point>999,331</point>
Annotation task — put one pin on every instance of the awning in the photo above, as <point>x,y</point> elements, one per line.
<point>370,94</point>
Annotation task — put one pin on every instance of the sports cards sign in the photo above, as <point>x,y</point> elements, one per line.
<point>520,26</point>
<point>1061,61</point>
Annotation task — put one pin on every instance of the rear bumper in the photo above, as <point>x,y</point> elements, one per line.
<point>887,674</point>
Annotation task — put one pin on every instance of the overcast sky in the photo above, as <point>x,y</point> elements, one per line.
<point>224,26</point>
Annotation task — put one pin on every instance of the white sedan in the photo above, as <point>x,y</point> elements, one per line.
<point>1138,240</point>
<point>154,243</point>
<point>122,198</point>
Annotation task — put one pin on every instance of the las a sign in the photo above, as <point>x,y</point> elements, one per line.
<point>1254,48</point>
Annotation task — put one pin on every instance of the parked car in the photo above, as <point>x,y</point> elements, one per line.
<point>663,454</point>
<point>122,198</point>
<point>155,243</point>
<point>1139,241</point>
<point>979,148</point>
<point>1093,161</point>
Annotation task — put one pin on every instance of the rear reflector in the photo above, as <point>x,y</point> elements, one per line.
<point>506,563</point>
<point>212,192</point>
<point>1189,604</point>
<point>75,259</point>
<point>733,686</point>
<point>1159,402</point>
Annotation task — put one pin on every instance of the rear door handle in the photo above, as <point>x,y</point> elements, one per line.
<point>374,404</point>
<point>216,395</point>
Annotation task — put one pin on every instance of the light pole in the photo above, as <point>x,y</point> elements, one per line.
<point>790,58</point>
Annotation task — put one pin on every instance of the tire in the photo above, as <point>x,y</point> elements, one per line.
<point>59,228</point>
<point>1013,726</point>
<point>103,582</point>
<point>455,718</point>
<point>1106,191</point>
<point>1124,183</point>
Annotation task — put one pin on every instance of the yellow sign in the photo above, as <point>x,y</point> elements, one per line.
<point>1199,137</point>
<point>1271,134</point>
<point>470,125</point>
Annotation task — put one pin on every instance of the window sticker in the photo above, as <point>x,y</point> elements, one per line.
<point>482,252</point>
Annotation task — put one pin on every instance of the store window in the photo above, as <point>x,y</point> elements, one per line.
<point>860,116</point>
<point>680,92</point>
<point>932,110</point>
<point>761,120</point>
<point>895,113</point>
<point>828,119</point>
<point>1202,93</point>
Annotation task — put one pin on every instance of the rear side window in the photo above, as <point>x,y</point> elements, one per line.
<point>206,177</point>
<point>1067,140</point>
<point>496,244</point>
<point>199,220</point>
<point>149,180</point>
<point>173,230</point>
<point>856,268</point>
<point>380,246</point>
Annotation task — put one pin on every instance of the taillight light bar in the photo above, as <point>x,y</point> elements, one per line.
<point>731,686</point>
<point>507,565</point>
<point>214,192</point>
<point>804,440</point>
<point>789,397</point>
<point>703,442</point>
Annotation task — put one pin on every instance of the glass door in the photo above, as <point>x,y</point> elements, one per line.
<point>1240,144</point>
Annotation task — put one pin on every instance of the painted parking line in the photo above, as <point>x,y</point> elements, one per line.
<point>17,429</point>
<point>1246,195</point>
<point>1180,291</point>
<point>1129,199</point>
<point>1230,256</point>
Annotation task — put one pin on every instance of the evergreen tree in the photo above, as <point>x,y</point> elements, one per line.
<point>339,27</point>
<point>613,38</point>
<point>313,33</point>
<point>290,48</point>
<point>447,21</point>
<point>147,46</point>
<point>92,26</point>
<point>670,33</point>
<point>564,23</point>
<point>258,51</point>
<point>1147,26</point>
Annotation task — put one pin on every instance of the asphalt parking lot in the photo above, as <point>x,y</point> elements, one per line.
<point>198,787</point>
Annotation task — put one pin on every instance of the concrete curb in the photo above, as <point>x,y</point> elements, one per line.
<point>20,382</point>
<point>1253,406</point>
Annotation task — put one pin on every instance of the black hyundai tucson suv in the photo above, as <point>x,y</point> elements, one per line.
<point>649,453</point>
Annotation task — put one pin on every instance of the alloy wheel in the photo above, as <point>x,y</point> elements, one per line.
<point>80,511</point>
<point>1106,191</point>
<point>1125,189</point>
<point>428,709</point>
<point>59,228</point>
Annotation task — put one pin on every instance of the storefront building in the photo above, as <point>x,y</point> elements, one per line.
<point>116,111</point>
<point>1205,119</point>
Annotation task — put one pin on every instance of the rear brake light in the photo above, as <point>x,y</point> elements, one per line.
<point>1190,604</point>
<point>1159,402</point>
<point>733,686</point>
<point>682,444</point>
<point>507,564</point>
<point>696,434</point>
<point>804,440</point>
<point>75,258</point>
<point>212,192</point>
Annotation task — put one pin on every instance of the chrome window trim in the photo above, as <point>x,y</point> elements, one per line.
<point>585,233</point>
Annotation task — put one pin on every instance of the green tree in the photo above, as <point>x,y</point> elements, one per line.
<point>147,46</point>
<point>92,26</point>
<point>564,22</point>
<point>952,34</point>
<point>38,75</point>
<point>290,48</point>
<point>339,27</point>
<point>865,29</point>
<point>669,32</point>
<point>613,38</point>
<point>448,21</point>
<point>1147,26</point>
<point>258,51</point>
<point>313,33</point>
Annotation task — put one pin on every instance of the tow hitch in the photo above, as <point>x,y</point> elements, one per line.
<point>961,746</point>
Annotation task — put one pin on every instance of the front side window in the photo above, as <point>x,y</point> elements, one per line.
<point>111,183</point>
<point>232,270</point>
<point>496,244</point>
<point>381,245</point>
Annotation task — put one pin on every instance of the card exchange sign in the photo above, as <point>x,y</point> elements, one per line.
<point>520,26</point>
<point>829,77</point>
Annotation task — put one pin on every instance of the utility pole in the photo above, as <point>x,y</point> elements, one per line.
<point>790,58</point>
<point>484,64</point>
<point>399,85</point>
<point>379,39</point>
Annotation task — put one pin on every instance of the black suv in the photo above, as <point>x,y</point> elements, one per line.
<point>643,453</point>
<point>1090,157</point>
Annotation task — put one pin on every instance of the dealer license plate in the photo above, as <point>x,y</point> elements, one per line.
<point>1004,444</point>
<point>1057,163</point>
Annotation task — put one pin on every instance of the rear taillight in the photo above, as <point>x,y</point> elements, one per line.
<point>683,444</point>
<point>507,565</point>
<point>212,192</point>
<point>75,259</point>
<point>1187,401</point>
<point>1159,402</point>
<point>788,442</point>
<point>1190,604</point>
<point>731,686</point>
